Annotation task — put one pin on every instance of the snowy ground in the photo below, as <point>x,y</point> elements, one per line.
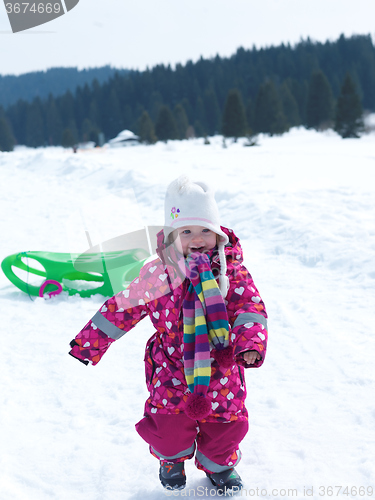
<point>304,207</point>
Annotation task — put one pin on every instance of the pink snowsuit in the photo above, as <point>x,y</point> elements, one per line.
<point>159,293</point>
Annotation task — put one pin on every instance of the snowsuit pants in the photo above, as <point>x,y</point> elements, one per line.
<point>174,438</point>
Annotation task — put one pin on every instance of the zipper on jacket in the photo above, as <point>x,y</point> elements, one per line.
<point>153,362</point>
<point>241,378</point>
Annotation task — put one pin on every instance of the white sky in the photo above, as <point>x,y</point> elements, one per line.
<point>143,33</point>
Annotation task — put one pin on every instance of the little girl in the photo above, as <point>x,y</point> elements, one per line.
<point>210,324</point>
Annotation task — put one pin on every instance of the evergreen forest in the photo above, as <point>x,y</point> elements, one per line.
<point>54,80</point>
<point>255,90</point>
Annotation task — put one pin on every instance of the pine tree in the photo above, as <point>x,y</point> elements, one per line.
<point>6,136</point>
<point>93,114</point>
<point>299,91</point>
<point>290,106</point>
<point>146,129</point>
<point>198,129</point>
<point>34,124</point>
<point>16,116</point>
<point>349,111</point>
<point>165,127</point>
<point>212,111</point>
<point>234,117</point>
<point>53,122</point>
<point>86,129</point>
<point>94,136</point>
<point>66,107</point>
<point>269,117</point>
<point>155,102</point>
<point>128,117</point>
<point>67,139</point>
<point>200,115</point>
<point>250,115</point>
<point>188,109</point>
<point>319,109</point>
<point>181,121</point>
<point>74,131</point>
<point>111,114</point>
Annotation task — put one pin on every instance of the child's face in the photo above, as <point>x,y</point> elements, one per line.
<point>191,239</point>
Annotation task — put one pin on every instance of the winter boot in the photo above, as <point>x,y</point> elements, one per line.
<point>172,476</point>
<point>227,481</point>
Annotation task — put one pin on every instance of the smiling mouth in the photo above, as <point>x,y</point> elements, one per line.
<point>197,249</point>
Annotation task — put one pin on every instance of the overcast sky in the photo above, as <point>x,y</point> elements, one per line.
<point>144,33</point>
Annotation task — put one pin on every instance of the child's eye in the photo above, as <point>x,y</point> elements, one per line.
<point>206,230</point>
<point>186,231</point>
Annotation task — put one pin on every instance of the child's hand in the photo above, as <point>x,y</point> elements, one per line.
<point>251,356</point>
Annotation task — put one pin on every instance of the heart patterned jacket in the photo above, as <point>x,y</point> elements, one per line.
<point>159,292</point>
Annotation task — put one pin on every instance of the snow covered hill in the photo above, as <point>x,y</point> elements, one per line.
<point>304,207</point>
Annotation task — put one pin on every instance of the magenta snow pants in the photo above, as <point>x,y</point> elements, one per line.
<point>174,438</point>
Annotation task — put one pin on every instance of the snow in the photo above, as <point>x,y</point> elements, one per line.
<point>124,138</point>
<point>304,207</point>
<point>369,121</point>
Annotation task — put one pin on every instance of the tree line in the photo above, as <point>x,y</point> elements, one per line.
<point>40,83</point>
<point>264,90</point>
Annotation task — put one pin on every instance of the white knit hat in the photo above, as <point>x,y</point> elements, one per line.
<point>189,203</point>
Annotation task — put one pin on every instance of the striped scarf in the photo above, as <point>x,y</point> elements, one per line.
<point>205,322</point>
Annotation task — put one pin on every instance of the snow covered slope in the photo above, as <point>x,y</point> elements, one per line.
<point>304,207</point>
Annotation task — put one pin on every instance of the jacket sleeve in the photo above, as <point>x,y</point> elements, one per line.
<point>247,317</point>
<point>117,316</point>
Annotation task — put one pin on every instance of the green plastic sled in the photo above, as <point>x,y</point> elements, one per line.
<point>114,269</point>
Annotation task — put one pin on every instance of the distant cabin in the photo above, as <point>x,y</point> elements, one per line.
<point>124,138</point>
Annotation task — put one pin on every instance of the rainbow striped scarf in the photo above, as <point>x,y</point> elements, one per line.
<point>205,322</point>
